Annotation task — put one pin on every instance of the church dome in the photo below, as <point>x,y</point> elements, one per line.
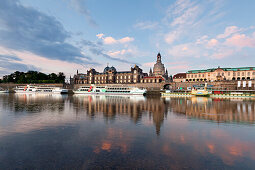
<point>159,68</point>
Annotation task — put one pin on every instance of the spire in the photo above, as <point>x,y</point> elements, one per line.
<point>166,72</point>
<point>158,58</point>
<point>77,71</point>
<point>150,74</point>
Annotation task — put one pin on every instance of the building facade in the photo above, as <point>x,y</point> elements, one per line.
<point>111,76</point>
<point>221,74</point>
<point>159,73</point>
<point>180,77</point>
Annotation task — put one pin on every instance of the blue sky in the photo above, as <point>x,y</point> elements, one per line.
<point>65,35</point>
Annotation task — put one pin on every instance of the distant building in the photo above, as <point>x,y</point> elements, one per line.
<point>180,77</point>
<point>159,73</point>
<point>221,74</point>
<point>111,76</point>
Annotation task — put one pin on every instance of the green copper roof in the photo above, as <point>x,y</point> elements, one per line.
<point>225,69</point>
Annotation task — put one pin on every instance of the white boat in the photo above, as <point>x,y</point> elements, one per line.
<point>110,90</point>
<point>201,91</point>
<point>39,89</point>
<point>3,91</point>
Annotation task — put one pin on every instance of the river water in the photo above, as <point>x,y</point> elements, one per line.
<point>95,132</point>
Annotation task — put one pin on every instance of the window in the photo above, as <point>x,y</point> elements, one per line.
<point>199,75</point>
<point>242,73</point>
<point>228,73</point>
<point>248,73</point>
<point>238,74</point>
<point>222,74</point>
<point>234,74</point>
<point>253,73</point>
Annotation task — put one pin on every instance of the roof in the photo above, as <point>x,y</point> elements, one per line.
<point>179,75</point>
<point>225,69</point>
<point>123,72</point>
<point>147,77</point>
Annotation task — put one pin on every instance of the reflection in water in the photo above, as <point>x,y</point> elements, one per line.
<point>93,132</point>
<point>132,106</point>
<point>219,110</point>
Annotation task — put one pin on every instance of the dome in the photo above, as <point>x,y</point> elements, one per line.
<point>112,69</point>
<point>159,69</point>
<point>106,69</point>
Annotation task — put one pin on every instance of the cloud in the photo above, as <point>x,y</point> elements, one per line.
<point>97,49</point>
<point>81,7</point>
<point>172,36</point>
<point>100,36</point>
<point>26,29</point>
<point>9,63</point>
<point>118,53</point>
<point>149,64</point>
<point>111,40</point>
<point>146,25</point>
<point>229,31</point>
<point>241,40</point>
<point>185,50</point>
<point>126,40</point>
<point>213,42</point>
<point>183,12</point>
<point>184,17</point>
<point>13,60</point>
<point>222,53</point>
<point>100,52</point>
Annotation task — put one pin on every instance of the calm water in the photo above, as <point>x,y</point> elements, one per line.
<point>94,132</point>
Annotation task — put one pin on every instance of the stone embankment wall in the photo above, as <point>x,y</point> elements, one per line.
<point>221,85</point>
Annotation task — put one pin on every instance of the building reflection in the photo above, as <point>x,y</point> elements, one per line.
<point>219,110</point>
<point>139,109</point>
<point>33,102</point>
<point>133,106</point>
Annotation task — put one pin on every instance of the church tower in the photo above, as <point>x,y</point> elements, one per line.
<point>159,68</point>
<point>158,58</point>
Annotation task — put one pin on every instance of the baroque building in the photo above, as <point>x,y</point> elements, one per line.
<point>111,76</point>
<point>221,74</point>
<point>159,73</point>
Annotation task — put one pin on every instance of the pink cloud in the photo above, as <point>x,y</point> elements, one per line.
<point>241,40</point>
<point>100,36</point>
<point>111,40</point>
<point>229,31</point>
<point>213,42</point>
<point>150,64</point>
<point>126,39</point>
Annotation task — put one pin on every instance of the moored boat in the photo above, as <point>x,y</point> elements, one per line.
<point>3,91</point>
<point>110,90</point>
<point>201,91</point>
<point>40,89</point>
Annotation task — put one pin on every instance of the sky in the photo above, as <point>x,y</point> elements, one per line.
<point>69,35</point>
